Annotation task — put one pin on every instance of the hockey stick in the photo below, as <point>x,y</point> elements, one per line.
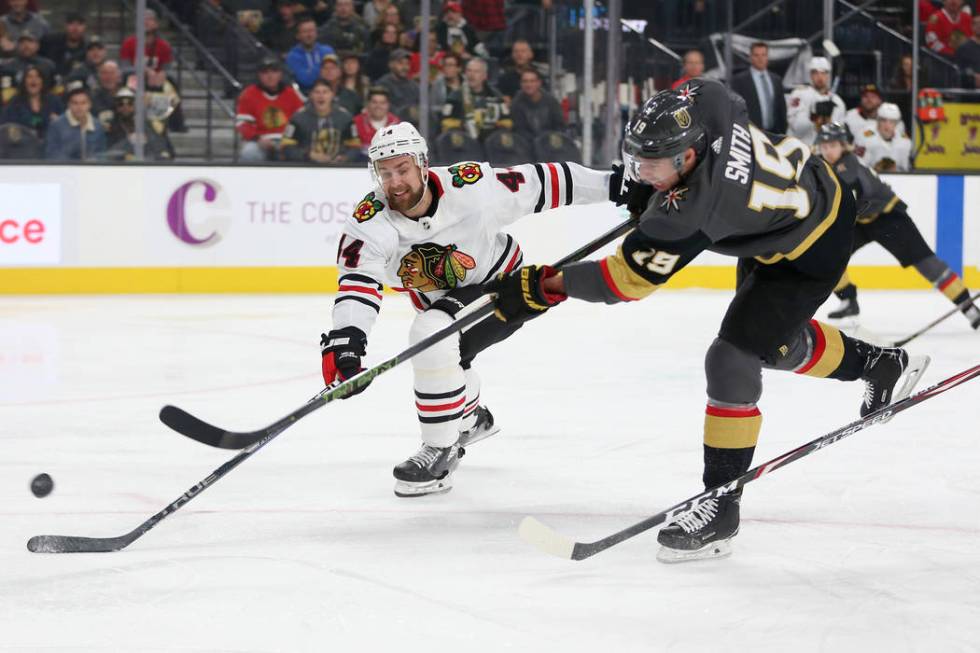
<point>549,541</point>
<point>196,429</point>
<point>262,437</point>
<point>935,322</point>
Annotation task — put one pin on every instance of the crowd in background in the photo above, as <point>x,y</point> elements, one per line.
<point>63,99</point>
<point>333,72</point>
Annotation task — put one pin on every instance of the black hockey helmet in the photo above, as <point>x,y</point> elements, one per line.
<point>664,128</point>
<point>835,131</point>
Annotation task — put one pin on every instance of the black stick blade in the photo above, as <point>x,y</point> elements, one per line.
<point>189,426</point>
<point>73,544</point>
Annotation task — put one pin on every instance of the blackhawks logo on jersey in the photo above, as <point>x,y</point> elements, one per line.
<point>430,267</point>
<point>367,208</point>
<point>466,173</point>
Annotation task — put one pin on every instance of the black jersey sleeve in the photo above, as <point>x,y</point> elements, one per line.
<point>641,265</point>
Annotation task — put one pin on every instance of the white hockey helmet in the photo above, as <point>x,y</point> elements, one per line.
<point>395,140</point>
<point>889,111</point>
<point>819,63</point>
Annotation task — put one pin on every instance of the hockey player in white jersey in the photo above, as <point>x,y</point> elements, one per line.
<point>810,107</point>
<point>887,149</point>
<point>436,234</point>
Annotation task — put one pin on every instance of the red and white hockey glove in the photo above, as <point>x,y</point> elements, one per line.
<point>342,350</point>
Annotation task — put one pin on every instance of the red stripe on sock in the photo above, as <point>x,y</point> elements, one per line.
<point>438,407</point>
<point>718,411</point>
<point>818,348</point>
<point>945,284</point>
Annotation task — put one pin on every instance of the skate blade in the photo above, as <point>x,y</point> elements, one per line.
<point>466,439</point>
<point>406,489</point>
<point>715,550</point>
<point>913,372</point>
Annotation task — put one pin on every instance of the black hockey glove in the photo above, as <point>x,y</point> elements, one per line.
<point>520,295</point>
<point>342,350</point>
<point>633,194</point>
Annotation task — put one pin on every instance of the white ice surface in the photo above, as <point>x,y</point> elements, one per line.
<point>870,545</point>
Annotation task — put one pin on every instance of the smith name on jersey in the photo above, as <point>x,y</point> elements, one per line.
<point>459,242</point>
<point>751,196</point>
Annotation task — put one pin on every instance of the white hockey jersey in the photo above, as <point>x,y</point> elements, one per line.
<point>799,106</point>
<point>877,150</point>
<point>460,243</point>
<point>865,128</point>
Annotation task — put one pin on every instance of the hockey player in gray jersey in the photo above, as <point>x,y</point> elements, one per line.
<point>883,219</point>
<point>721,184</point>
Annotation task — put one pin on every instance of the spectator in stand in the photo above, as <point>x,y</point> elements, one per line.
<point>278,32</point>
<point>27,55</point>
<point>948,28</point>
<point>968,57</point>
<point>435,58</point>
<point>121,133</point>
<point>95,56</point>
<point>534,110</point>
<point>352,77</point>
<point>159,55</point>
<point>521,59</point>
<point>486,17</point>
<point>76,135</point>
<point>31,6</point>
<point>331,73</point>
<point>306,56</point>
<point>321,132</point>
<point>66,49</point>
<point>346,30</point>
<point>6,45</point>
<point>926,10</point>
<point>376,114</point>
<point>762,90</point>
<point>456,36</point>
<point>476,108</point>
<point>386,42</point>
<point>104,95</point>
<point>448,81</point>
<point>34,105</point>
<point>401,90</point>
<point>693,66</point>
<point>19,19</point>
<point>264,110</point>
<point>319,9</point>
<point>373,11</point>
<point>902,79</point>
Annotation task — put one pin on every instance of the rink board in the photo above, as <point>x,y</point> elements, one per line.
<point>117,229</point>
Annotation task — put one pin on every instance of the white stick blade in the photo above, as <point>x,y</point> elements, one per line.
<point>534,532</point>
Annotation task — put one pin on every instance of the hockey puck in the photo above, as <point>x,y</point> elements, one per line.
<point>42,485</point>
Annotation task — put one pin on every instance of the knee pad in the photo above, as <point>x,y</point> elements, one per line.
<point>734,375</point>
<point>794,353</point>
<point>442,354</point>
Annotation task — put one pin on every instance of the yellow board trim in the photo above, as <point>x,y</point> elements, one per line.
<point>732,432</point>
<point>30,281</point>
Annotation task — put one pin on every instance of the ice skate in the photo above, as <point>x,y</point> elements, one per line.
<point>847,310</point>
<point>428,471</point>
<point>703,533</point>
<point>481,430</point>
<point>885,367</point>
<point>972,314</point>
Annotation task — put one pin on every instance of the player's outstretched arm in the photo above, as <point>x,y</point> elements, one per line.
<point>536,187</point>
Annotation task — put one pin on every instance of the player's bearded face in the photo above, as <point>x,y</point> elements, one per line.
<point>401,180</point>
